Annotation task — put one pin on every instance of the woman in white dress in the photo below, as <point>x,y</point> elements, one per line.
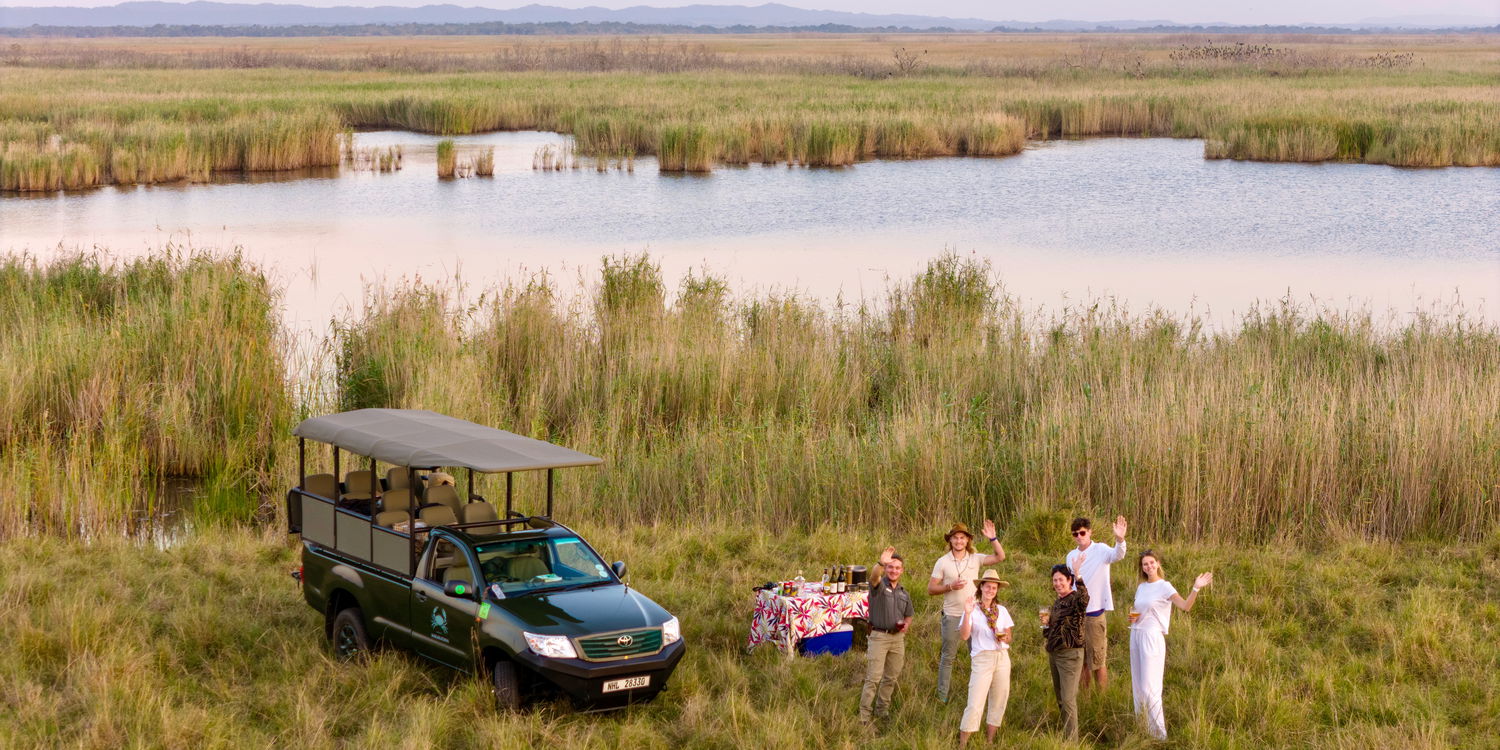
<point>1152,615</point>
<point>986,625</point>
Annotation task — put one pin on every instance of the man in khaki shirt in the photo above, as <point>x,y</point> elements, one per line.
<point>953,579</point>
<point>890,615</point>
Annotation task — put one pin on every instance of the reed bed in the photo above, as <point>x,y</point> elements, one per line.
<point>942,399</point>
<point>1434,106</point>
<point>94,152</point>
<point>122,375</point>
<point>208,643</point>
<point>946,398</point>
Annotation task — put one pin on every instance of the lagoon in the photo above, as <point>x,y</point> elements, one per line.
<point>1143,223</point>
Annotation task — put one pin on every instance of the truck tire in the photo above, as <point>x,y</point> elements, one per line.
<point>348,634</point>
<point>507,687</point>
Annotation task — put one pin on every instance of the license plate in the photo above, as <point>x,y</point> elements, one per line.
<point>628,683</point>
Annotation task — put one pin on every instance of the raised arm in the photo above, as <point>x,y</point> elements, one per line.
<point>1078,600</point>
<point>989,533</point>
<point>1199,583</point>
<point>1120,528</point>
<point>966,625</point>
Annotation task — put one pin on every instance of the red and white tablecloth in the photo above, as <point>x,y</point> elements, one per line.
<point>785,620</point>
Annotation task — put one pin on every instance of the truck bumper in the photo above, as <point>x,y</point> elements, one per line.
<point>584,680</point>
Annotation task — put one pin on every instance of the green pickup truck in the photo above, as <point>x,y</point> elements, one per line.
<point>401,559</point>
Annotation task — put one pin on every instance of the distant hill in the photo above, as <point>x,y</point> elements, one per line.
<point>151,13</point>
<point>144,17</point>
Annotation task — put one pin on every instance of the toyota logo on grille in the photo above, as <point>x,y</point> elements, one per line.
<point>624,640</point>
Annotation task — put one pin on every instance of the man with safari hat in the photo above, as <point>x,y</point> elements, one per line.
<point>953,579</point>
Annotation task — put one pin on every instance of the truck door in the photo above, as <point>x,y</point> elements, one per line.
<point>442,626</point>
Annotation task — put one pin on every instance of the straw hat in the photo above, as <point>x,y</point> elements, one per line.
<point>438,478</point>
<point>991,575</point>
<point>958,528</point>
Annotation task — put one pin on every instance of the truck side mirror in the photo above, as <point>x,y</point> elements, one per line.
<point>619,568</point>
<point>458,589</point>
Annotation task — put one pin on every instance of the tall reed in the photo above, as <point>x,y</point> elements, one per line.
<point>944,399</point>
<point>948,399</point>
<point>484,162</point>
<point>447,158</point>
<point>121,375</point>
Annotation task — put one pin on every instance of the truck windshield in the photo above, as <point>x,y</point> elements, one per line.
<point>530,564</point>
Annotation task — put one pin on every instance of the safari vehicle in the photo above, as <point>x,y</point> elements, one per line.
<point>401,560</point>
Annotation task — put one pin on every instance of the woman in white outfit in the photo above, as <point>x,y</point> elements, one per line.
<point>1154,600</point>
<point>987,627</point>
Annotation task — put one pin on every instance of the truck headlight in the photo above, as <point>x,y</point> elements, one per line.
<point>671,632</point>
<point>555,646</point>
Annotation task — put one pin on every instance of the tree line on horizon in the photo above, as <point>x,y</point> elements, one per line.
<point>592,28</point>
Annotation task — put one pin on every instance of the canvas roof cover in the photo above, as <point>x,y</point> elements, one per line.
<point>415,437</point>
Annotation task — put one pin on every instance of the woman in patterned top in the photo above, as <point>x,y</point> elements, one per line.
<point>1154,600</point>
<point>1064,626</point>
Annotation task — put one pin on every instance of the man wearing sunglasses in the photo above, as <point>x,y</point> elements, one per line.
<point>1094,573</point>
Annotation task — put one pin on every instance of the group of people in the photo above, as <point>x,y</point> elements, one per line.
<point>1075,627</point>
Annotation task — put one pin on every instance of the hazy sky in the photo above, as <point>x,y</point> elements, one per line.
<point>1181,11</point>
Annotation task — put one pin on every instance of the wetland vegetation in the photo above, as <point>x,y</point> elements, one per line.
<point>946,397</point>
<point>80,113</point>
<point>1337,474</point>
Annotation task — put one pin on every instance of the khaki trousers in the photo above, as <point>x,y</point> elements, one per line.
<point>883,660</point>
<point>950,629</point>
<point>1067,665</point>
<point>989,689</point>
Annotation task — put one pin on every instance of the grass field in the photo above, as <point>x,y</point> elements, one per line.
<point>207,644</point>
<point>80,113</point>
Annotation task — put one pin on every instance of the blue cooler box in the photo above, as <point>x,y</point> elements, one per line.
<point>834,643</point>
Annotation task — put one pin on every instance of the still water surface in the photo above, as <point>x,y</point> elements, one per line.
<point>1147,222</point>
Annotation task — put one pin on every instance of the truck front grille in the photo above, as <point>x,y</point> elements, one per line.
<point>609,647</point>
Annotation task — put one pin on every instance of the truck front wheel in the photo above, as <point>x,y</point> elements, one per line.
<point>507,686</point>
<point>349,639</point>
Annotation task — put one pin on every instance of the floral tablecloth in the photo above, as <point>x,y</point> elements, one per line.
<point>785,620</point>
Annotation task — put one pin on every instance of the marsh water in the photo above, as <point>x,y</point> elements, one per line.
<point>1145,222</point>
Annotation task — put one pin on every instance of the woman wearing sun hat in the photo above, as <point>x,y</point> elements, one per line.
<point>987,628</point>
<point>952,578</point>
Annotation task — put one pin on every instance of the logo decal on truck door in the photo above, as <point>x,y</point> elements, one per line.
<point>439,622</point>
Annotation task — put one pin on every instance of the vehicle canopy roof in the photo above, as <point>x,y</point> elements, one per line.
<point>421,438</point>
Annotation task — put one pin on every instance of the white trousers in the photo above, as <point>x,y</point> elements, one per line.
<point>1148,662</point>
<point>989,683</point>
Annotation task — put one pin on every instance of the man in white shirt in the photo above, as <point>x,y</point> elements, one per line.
<point>1095,576</point>
<point>953,579</point>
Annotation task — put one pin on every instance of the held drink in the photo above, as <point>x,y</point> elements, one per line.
<point>1046,614</point>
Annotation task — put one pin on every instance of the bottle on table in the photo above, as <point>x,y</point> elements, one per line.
<point>799,583</point>
<point>824,586</point>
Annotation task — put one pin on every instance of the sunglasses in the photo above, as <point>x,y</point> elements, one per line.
<point>1081,532</point>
